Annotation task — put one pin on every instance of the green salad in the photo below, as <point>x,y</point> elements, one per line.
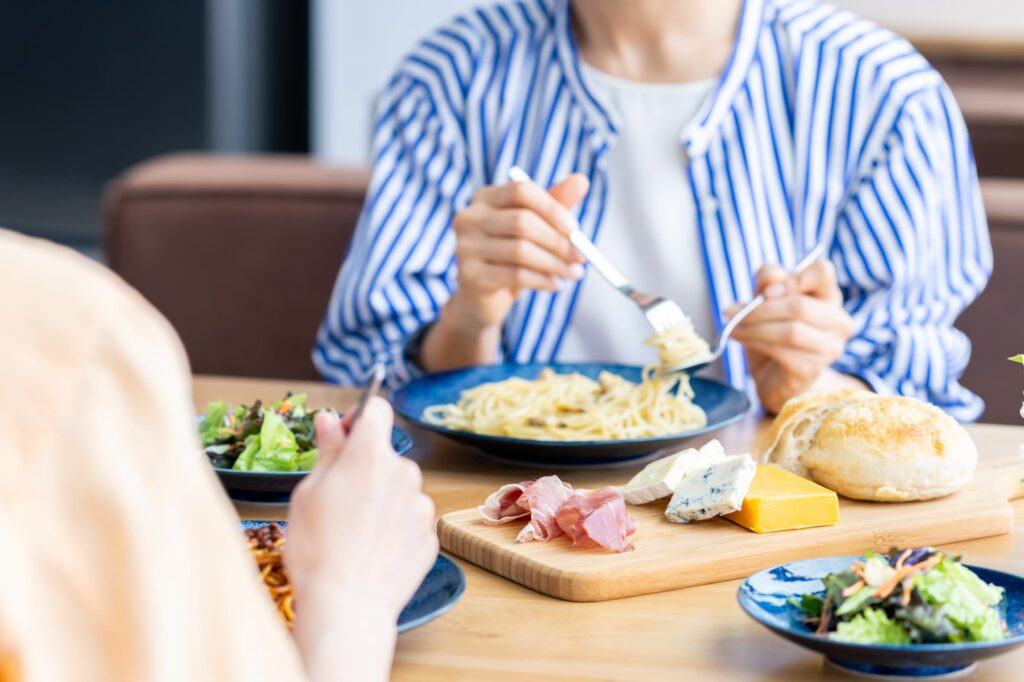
<point>276,437</point>
<point>911,596</point>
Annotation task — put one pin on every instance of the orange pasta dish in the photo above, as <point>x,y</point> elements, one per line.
<point>267,546</point>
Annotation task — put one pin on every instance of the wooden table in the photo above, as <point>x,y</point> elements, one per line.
<point>501,631</point>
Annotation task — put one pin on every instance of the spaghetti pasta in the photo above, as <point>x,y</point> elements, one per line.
<point>679,345</point>
<point>572,407</point>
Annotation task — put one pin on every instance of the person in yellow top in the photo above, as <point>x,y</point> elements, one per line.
<point>120,557</point>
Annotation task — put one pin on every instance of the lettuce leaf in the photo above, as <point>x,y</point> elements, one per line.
<point>928,623</point>
<point>298,402</point>
<point>965,598</point>
<point>278,450</point>
<point>212,423</point>
<point>856,601</point>
<point>307,460</point>
<point>244,461</point>
<point>871,626</point>
<point>810,604</point>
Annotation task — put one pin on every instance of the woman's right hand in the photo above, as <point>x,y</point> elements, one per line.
<point>361,536</point>
<point>513,237</point>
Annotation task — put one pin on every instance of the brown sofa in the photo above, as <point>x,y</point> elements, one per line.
<point>241,254</point>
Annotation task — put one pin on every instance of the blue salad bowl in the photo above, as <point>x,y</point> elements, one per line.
<point>437,594</point>
<point>275,487</point>
<point>765,597</point>
<point>722,403</point>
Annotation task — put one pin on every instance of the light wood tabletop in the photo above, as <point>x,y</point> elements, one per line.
<point>502,631</point>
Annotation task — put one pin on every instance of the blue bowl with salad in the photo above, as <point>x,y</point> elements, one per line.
<point>914,613</point>
<point>261,452</point>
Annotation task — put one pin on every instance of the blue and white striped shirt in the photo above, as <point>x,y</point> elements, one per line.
<point>823,126</point>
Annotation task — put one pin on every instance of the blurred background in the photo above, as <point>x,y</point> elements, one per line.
<point>97,94</point>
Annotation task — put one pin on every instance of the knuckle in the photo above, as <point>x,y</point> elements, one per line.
<point>376,411</point>
<point>426,506</point>
<point>464,221</point>
<point>517,192</point>
<point>520,251</point>
<point>791,333</point>
<point>805,371</point>
<point>847,326</point>
<point>521,277</point>
<point>410,473</point>
<point>520,222</point>
<point>480,195</point>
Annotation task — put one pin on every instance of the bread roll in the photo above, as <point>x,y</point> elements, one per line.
<point>870,447</point>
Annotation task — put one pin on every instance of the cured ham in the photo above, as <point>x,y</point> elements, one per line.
<point>502,506</point>
<point>589,517</point>
<point>544,497</point>
<point>597,518</point>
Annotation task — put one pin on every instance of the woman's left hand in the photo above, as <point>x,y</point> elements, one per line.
<point>796,334</point>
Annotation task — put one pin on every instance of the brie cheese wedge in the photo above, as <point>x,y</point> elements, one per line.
<point>660,478</point>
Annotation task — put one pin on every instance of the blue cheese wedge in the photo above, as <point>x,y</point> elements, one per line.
<point>717,489</point>
<point>660,478</point>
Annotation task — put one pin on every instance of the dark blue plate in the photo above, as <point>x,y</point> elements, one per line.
<point>764,597</point>
<point>722,403</point>
<point>275,487</point>
<point>436,595</point>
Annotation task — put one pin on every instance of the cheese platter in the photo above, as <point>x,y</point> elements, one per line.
<point>670,556</point>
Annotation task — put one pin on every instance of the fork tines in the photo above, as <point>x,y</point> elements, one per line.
<point>663,314</point>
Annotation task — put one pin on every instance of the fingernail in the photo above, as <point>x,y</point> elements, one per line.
<point>575,271</point>
<point>776,290</point>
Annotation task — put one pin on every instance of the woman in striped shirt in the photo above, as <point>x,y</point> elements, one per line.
<point>706,146</point>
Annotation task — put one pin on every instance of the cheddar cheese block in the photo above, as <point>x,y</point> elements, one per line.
<point>779,500</point>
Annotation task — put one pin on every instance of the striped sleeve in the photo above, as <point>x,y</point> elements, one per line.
<point>912,251</point>
<point>400,267</point>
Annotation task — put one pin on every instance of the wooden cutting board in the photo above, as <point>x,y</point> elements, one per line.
<point>669,556</point>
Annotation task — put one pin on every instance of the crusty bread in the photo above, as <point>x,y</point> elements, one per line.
<point>870,447</point>
<point>794,428</point>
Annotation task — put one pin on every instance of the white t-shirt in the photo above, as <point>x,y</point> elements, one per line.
<point>649,229</point>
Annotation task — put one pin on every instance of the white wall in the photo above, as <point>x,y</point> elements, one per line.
<point>357,44</point>
<point>947,20</point>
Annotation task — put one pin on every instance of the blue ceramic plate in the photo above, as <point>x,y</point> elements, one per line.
<point>275,487</point>
<point>764,597</point>
<point>436,595</point>
<point>722,403</point>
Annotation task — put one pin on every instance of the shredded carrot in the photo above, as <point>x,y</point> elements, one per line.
<point>854,588</point>
<point>908,587</point>
<point>886,589</point>
<point>903,557</point>
<point>823,624</point>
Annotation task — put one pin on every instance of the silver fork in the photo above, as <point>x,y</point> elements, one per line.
<point>695,366</point>
<point>661,313</point>
<point>371,389</point>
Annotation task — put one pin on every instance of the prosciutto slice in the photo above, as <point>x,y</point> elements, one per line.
<point>597,518</point>
<point>544,497</point>
<point>502,506</point>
